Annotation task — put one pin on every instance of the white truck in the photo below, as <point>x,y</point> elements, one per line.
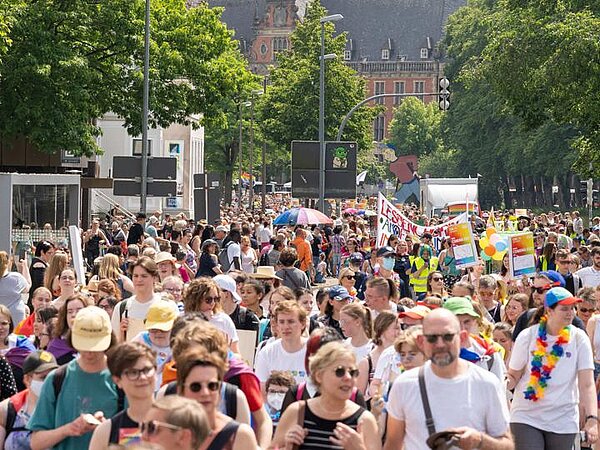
<point>437,193</point>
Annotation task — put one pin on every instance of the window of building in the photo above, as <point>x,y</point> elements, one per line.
<point>263,49</point>
<point>419,87</point>
<point>347,55</point>
<point>398,89</point>
<point>385,54</point>
<point>424,53</point>
<point>379,128</point>
<point>137,147</point>
<point>379,89</point>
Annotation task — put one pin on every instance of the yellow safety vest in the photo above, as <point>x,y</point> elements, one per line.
<point>420,282</point>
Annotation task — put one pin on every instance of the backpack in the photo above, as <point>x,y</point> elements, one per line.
<point>230,397</point>
<point>15,403</point>
<point>224,258</point>
<point>264,259</point>
<point>59,379</point>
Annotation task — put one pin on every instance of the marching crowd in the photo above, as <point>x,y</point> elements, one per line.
<point>224,336</point>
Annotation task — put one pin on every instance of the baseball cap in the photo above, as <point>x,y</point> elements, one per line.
<point>555,278</point>
<point>356,258</point>
<point>460,305</point>
<point>386,251</point>
<point>164,256</point>
<point>39,361</point>
<point>227,283</point>
<point>560,296</point>
<point>91,331</point>
<point>417,313</point>
<point>160,316</point>
<point>339,293</point>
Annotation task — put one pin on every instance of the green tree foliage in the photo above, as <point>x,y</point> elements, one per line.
<point>71,62</point>
<point>289,111</point>
<point>415,128</point>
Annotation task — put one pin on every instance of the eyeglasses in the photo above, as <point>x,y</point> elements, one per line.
<point>211,300</point>
<point>152,426</point>
<point>174,290</point>
<point>564,261</point>
<point>135,374</point>
<point>433,338</point>
<point>541,290</point>
<point>437,279</point>
<point>212,386</point>
<point>341,371</point>
<point>349,277</point>
<point>587,310</point>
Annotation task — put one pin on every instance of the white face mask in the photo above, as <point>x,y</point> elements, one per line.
<point>36,387</point>
<point>275,400</point>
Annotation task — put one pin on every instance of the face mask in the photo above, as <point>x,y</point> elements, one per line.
<point>275,400</point>
<point>388,263</point>
<point>36,387</point>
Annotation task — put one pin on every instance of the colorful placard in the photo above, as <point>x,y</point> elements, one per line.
<point>521,255</point>
<point>463,245</point>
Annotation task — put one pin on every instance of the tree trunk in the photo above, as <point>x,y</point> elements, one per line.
<point>227,183</point>
<point>529,193</point>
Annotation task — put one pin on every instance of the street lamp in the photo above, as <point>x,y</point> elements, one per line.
<point>252,95</point>
<point>241,105</point>
<point>323,21</point>
<point>145,101</point>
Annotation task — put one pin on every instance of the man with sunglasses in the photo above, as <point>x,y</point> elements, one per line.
<point>563,264</point>
<point>464,400</point>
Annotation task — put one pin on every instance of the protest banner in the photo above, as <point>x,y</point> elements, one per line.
<point>521,255</point>
<point>463,245</point>
<point>390,221</point>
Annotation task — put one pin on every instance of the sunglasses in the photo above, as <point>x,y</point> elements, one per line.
<point>437,279</point>
<point>135,374</point>
<point>211,300</point>
<point>433,338</point>
<point>151,427</point>
<point>212,386</point>
<point>341,371</point>
<point>349,277</point>
<point>587,310</point>
<point>541,290</point>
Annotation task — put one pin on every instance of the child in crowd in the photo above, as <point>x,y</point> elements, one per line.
<point>278,384</point>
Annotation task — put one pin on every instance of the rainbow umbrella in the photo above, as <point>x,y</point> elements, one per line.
<point>302,216</point>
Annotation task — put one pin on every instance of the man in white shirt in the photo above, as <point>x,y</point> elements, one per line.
<point>288,353</point>
<point>464,399</point>
<point>264,234</point>
<point>590,276</point>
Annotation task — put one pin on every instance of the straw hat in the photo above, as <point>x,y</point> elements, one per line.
<point>265,273</point>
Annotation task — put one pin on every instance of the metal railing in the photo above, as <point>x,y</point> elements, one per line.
<point>393,66</point>
<point>99,195</point>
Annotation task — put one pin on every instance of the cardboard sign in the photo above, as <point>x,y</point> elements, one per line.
<point>463,245</point>
<point>247,345</point>
<point>521,255</point>
<point>77,253</point>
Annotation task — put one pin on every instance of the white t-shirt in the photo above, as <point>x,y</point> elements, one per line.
<point>474,399</point>
<point>389,366</point>
<point>136,313</point>
<point>274,357</point>
<point>263,235</point>
<point>360,352</point>
<point>558,410</point>
<point>497,367</point>
<point>590,277</point>
<point>224,323</point>
<point>234,250</point>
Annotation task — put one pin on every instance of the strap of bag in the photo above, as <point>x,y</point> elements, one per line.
<point>425,399</point>
<point>301,412</point>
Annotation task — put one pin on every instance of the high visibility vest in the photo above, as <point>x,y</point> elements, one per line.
<point>420,282</point>
<point>411,260</point>
<point>544,261</point>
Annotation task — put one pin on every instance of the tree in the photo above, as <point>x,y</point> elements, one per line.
<point>71,62</point>
<point>289,111</point>
<point>415,128</point>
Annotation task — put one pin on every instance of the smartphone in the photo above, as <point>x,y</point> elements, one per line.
<point>91,419</point>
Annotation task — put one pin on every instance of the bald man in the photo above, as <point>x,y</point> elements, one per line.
<point>463,398</point>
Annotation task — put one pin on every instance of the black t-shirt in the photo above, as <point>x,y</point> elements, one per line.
<point>206,265</point>
<point>316,245</point>
<point>123,429</point>
<point>136,232</point>
<point>244,319</point>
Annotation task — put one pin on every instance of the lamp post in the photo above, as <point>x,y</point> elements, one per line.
<point>323,21</point>
<point>252,95</point>
<point>241,105</point>
<point>145,95</point>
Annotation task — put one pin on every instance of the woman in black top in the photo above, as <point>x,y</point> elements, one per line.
<point>208,265</point>
<point>330,420</point>
<point>133,365</point>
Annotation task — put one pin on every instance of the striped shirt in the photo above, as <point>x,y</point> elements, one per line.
<point>320,430</point>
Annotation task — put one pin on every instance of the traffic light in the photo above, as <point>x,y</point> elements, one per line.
<point>443,94</point>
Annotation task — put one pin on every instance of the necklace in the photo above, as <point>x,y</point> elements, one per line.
<point>540,371</point>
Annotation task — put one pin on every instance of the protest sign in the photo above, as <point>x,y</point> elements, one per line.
<point>521,255</point>
<point>463,245</point>
<point>77,254</point>
<point>390,221</point>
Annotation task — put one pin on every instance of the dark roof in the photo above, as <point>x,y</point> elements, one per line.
<point>407,23</point>
<point>371,24</point>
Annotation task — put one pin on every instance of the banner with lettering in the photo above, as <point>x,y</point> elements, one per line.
<point>521,255</point>
<point>463,244</point>
<point>391,221</point>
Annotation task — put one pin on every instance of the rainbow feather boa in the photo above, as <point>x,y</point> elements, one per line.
<point>540,372</point>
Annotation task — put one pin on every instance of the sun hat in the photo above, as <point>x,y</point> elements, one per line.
<point>39,361</point>
<point>339,293</point>
<point>91,330</point>
<point>160,316</point>
<point>418,312</point>
<point>208,242</point>
<point>265,273</point>
<point>460,305</point>
<point>164,256</point>
<point>227,283</point>
<point>560,296</point>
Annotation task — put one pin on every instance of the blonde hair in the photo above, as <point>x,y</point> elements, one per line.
<point>57,264</point>
<point>345,271</point>
<point>409,337</point>
<point>109,267</point>
<point>328,355</point>
<point>3,262</point>
<point>358,311</point>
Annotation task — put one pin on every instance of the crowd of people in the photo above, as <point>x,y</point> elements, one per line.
<point>242,334</point>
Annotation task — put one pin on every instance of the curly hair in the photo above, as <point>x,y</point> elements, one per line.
<point>196,291</point>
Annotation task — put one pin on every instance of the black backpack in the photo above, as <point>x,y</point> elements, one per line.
<point>264,259</point>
